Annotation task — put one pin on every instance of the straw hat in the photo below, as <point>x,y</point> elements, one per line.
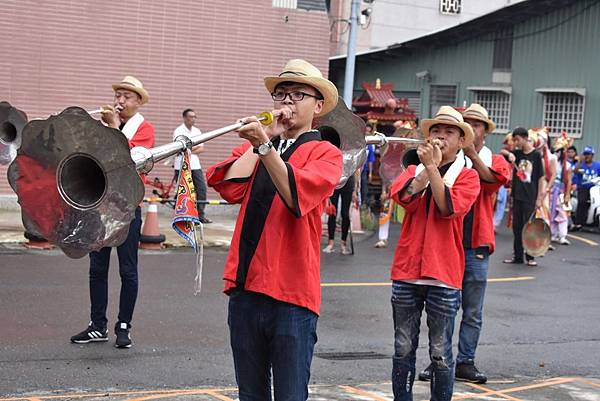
<point>133,84</point>
<point>477,112</point>
<point>449,116</point>
<point>303,72</point>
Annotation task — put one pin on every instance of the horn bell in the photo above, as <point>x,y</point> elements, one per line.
<point>346,131</point>
<point>76,182</point>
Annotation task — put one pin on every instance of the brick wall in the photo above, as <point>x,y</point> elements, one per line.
<point>208,55</point>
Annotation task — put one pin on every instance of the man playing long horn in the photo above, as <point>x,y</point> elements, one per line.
<point>428,265</point>
<point>124,115</point>
<point>282,176</point>
<point>478,241</point>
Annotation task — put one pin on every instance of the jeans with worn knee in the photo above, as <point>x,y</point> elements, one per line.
<point>269,335</point>
<point>128,262</point>
<point>441,305</point>
<point>473,293</point>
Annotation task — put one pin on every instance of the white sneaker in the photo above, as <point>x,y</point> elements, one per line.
<point>381,243</point>
<point>328,249</point>
<point>346,250</point>
<point>564,241</point>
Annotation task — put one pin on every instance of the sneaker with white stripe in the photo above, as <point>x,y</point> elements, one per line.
<point>91,334</point>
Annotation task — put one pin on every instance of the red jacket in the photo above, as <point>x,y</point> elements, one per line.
<point>430,246</point>
<point>483,209</point>
<point>144,136</point>
<point>275,250</point>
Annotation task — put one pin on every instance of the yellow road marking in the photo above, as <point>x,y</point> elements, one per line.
<point>219,396</point>
<point>584,240</point>
<point>591,383</point>
<point>492,392</point>
<point>120,393</point>
<point>362,393</point>
<point>158,396</point>
<point>389,283</point>
<point>216,392</point>
<point>547,383</point>
<point>508,279</point>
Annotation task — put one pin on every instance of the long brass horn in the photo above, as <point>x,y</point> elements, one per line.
<point>77,180</point>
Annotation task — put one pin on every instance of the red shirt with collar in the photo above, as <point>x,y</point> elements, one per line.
<point>275,249</point>
<point>482,233</point>
<point>430,245</point>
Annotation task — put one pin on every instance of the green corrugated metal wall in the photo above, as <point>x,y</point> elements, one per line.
<point>565,52</point>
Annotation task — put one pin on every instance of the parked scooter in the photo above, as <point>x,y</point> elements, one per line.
<point>593,218</point>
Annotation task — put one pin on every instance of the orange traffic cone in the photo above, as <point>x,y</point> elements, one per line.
<point>151,237</point>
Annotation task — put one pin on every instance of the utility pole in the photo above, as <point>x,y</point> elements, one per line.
<point>351,56</point>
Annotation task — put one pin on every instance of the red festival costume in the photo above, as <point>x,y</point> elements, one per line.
<point>430,245</point>
<point>275,250</point>
<point>483,209</point>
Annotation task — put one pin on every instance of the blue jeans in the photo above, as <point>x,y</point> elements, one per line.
<point>473,292</point>
<point>268,334</point>
<point>441,305</point>
<point>128,261</point>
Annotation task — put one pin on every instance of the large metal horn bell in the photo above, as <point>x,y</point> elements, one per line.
<point>346,131</point>
<point>76,182</point>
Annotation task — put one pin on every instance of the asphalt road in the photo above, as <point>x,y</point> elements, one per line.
<point>545,324</point>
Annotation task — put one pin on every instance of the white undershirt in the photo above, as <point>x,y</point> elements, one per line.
<point>194,160</point>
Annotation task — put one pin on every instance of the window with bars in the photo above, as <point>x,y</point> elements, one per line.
<point>441,95</point>
<point>497,103</point>
<point>564,111</point>
<point>450,7</point>
<point>317,5</point>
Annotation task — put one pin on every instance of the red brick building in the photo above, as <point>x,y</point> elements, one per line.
<point>207,55</point>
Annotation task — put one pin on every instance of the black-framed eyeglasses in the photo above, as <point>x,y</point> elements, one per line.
<point>295,96</point>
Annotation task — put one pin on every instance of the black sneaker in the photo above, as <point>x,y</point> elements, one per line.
<point>425,374</point>
<point>467,372</point>
<point>122,332</point>
<point>91,334</point>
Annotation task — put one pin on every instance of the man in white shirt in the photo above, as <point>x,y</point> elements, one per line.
<point>188,129</point>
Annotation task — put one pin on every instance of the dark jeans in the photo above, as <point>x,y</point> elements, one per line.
<point>473,293</point>
<point>364,187</point>
<point>441,305</point>
<point>346,193</point>
<point>522,211</point>
<point>200,186</point>
<point>268,334</point>
<point>583,206</point>
<point>128,261</point>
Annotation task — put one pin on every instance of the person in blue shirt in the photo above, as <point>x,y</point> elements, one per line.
<point>586,170</point>
<point>367,171</point>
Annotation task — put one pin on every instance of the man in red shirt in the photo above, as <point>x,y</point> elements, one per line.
<point>478,241</point>
<point>428,265</point>
<point>130,95</point>
<point>282,176</point>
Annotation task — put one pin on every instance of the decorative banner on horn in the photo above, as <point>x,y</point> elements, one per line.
<point>76,182</point>
<point>186,211</point>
